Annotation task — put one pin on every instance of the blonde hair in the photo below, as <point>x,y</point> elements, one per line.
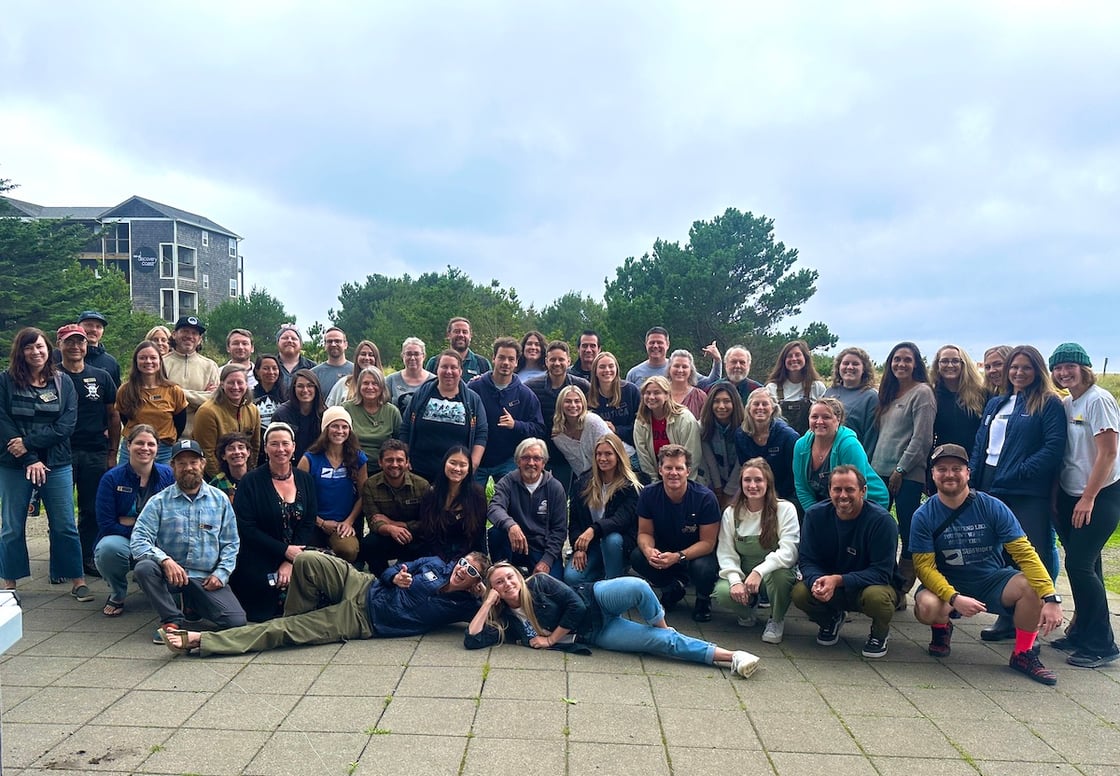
<point>624,476</point>
<point>748,421</point>
<point>644,414</point>
<point>970,392</point>
<point>558,416</point>
<point>525,602</point>
<point>595,392</point>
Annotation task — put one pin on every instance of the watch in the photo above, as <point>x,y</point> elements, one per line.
<point>1053,598</point>
<point>682,556</point>
<point>900,470</point>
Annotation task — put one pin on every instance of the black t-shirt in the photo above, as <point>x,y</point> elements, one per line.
<point>96,394</point>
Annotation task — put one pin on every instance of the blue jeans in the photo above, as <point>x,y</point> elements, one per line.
<point>618,596</point>
<point>114,559</point>
<point>497,471</point>
<point>57,494</point>
<point>605,560</point>
<point>498,540</point>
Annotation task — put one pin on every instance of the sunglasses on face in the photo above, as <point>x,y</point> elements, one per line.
<point>471,570</point>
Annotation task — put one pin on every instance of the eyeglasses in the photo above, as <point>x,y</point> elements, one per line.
<point>532,458</point>
<point>950,362</point>
<point>471,570</point>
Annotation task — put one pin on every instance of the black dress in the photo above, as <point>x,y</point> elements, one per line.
<point>267,526</point>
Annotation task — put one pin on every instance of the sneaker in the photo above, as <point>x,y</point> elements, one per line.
<point>940,641</point>
<point>82,593</point>
<point>702,609</point>
<point>1064,644</point>
<point>774,632</point>
<point>167,626</point>
<point>1083,659</point>
<point>672,595</point>
<point>750,620</point>
<point>827,635</point>
<point>59,580</point>
<point>743,663</point>
<point>1029,664</point>
<point>875,646</point>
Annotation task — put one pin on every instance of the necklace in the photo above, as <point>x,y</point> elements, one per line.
<point>282,477</point>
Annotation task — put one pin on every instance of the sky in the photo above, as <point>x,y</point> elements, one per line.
<point>951,170</point>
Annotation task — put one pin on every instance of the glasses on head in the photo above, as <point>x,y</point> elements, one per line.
<point>950,362</point>
<point>471,570</point>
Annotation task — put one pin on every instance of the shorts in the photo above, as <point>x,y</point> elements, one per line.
<point>989,590</point>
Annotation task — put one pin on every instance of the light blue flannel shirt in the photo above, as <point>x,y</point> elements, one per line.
<point>200,533</point>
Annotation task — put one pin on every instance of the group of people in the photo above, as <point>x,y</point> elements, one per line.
<point>255,491</point>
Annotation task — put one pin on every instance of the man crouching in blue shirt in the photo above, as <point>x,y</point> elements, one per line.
<point>407,600</point>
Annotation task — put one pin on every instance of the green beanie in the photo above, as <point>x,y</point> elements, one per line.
<point>1070,353</point>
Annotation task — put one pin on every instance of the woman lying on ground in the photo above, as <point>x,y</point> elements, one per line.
<point>543,613</point>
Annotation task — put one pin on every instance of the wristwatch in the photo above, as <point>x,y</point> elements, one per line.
<point>681,556</point>
<point>1053,598</point>
<point>900,470</point>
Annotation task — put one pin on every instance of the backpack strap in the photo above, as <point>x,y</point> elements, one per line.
<point>952,518</point>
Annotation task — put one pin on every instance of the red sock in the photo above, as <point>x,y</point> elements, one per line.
<point>940,626</point>
<point>1024,640</point>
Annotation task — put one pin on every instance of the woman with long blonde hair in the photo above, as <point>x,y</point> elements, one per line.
<point>661,421</point>
<point>603,515</point>
<point>958,389</point>
<point>575,430</point>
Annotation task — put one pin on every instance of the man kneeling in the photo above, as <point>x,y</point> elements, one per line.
<point>957,538</point>
<point>407,600</point>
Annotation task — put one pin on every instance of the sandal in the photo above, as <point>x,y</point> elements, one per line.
<point>182,636</point>
<point>113,608</point>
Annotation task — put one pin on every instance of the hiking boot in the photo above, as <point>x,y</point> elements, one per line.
<point>1029,664</point>
<point>940,641</point>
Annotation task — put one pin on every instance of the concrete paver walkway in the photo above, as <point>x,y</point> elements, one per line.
<point>82,693</point>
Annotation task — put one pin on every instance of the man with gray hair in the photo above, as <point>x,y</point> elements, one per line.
<point>529,514</point>
<point>736,367</point>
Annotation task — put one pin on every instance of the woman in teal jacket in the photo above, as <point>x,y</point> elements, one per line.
<point>827,444</point>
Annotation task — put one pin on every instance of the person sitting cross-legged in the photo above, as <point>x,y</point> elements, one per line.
<point>958,537</point>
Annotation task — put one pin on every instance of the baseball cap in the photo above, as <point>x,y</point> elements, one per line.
<point>186,446</point>
<point>948,451</point>
<point>69,330</point>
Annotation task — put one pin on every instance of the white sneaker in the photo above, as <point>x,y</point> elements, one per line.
<point>743,663</point>
<point>750,620</point>
<point>774,632</point>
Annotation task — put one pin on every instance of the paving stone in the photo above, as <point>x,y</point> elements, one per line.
<point>955,703</point>
<point>514,656</point>
<point>798,697</point>
<point>848,672</point>
<point>233,709</point>
<point>520,719</point>
<point>799,764</point>
<point>26,742</point>
<point>430,716</point>
<point>1025,707</point>
<point>72,643</point>
<point>693,760</point>
<point>613,724</point>
<point>490,756</point>
<point>608,688</point>
<point>151,708</point>
<point>912,737</point>
<point>870,701</point>
<point>997,740</point>
<point>35,671</point>
<point>707,689</point>
<point>75,705</point>
<point>715,728</point>
<point>441,682</point>
<point>194,675</point>
<point>821,734</point>
<point>589,758</point>
<point>101,748</point>
<point>1094,742</point>
<point>375,653</point>
<point>317,654</point>
<point>914,766</point>
<point>268,679</point>
<point>110,672</point>
<point>349,679</point>
<point>931,675</point>
<point>207,752</point>
<point>533,684</point>
<point>341,713</point>
<point>1021,768</point>
<point>289,753</point>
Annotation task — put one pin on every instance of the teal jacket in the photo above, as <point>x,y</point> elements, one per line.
<point>845,449</point>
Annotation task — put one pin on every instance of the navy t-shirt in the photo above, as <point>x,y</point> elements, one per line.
<point>96,394</point>
<point>971,548</point>
<point>677,526</point>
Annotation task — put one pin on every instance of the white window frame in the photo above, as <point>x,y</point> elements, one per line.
<point>187,270</point>
<point>188,303</point>
<point>233,288</point>
<point>205,239</point>
<point>233,247</point>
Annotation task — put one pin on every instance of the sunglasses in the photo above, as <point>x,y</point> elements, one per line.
<point>471,570</point>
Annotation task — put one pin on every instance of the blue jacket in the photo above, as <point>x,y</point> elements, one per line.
<point>846,449</point>
<point>778,452</point>
<point>1032,453</point>
<point>522,404</point>
<point>116,496</point>
<point>476,413</point>
<point>420,607</point>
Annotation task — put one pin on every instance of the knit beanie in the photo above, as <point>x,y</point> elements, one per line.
<point>1070,353</point>
<point>332,414</point>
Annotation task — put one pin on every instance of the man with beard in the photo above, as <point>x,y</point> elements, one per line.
<point>459,340</point>
<point>958,538</point>
<point>289,346</point>
<point>329,601</point>
<point>196,374</point>
<point>737,367</point>
<point>336,366</point>
<point>847,562</point>
<point>239,345</point>
<point>512,411</point>
<point>94,323</point>
<point>185,544</point>
<point>529,514</point>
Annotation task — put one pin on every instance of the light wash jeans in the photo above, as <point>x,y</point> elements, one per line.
<point>618,596</point>
<point>114,559</point>
<point>605,560</point>
<point>57,495</point>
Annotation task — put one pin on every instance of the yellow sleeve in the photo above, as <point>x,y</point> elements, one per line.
<point>925,564</point>
<point>1030,564</point>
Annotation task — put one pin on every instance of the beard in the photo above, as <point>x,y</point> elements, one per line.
<point>189,481</point>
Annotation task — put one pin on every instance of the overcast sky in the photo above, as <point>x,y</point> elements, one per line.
<point>950,169</point>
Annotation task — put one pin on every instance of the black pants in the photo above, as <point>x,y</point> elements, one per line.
<point>703,572</point>
<point>1092,630</point>
<point>89,466</point>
